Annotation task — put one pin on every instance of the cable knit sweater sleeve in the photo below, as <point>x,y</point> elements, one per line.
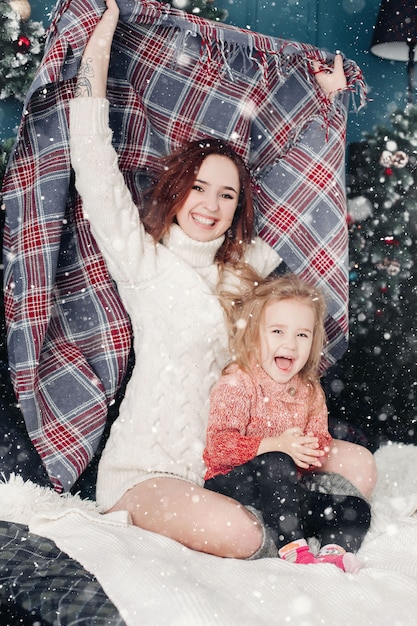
<point>231,405</point>
<point>107,203</point>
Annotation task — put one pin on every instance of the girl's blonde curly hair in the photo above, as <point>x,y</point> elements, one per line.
<point>245,312</point>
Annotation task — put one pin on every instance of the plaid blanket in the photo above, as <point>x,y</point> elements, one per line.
<point>173,77</point>
<point>40,584</point>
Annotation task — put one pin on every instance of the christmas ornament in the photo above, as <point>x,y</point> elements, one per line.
<point>22,7</point>
<point>399,159</point>
<point>396,159</point>
<point>386,158</point>
<point>391,145</point>
<point>389,240</point>
<point>23,44</point>
<point>359,208</point>
<point>392,267</point>
<point>353,276</point>
<point>21,49</point>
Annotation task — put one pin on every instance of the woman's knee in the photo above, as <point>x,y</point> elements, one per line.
<point>371,473</point>
<point>354,462</point>
<point>223,527</point>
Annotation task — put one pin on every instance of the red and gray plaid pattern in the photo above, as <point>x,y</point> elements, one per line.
<point>40,584</point>
<point>173,77</point>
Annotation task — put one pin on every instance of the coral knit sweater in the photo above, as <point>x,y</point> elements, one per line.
<point>245,409</point>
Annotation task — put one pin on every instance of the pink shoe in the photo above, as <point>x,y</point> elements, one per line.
<point>336,555</point>
<point>297,552</point>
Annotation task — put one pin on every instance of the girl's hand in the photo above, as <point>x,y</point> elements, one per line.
<point>330,79</point>
<point>303,449</point>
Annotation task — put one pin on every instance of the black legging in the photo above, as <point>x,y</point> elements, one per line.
<point>270,483</point>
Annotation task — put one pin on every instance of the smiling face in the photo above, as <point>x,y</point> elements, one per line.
<point>209,208</point>
<point>286,336</point>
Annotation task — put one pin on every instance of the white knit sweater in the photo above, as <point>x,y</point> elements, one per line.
<point>179,331</point>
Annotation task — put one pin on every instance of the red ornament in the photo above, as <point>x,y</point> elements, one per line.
<point>23,44</point>
<point>391,241</point>
<point>388,171</point>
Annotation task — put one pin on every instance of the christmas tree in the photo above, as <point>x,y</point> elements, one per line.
<point>375,384</point>
<point>202,8</point>
<point>21,48</point>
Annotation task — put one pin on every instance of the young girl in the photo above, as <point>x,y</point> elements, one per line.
<point>268,420</point>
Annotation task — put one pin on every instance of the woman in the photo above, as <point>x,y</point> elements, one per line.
<point>167,270</point>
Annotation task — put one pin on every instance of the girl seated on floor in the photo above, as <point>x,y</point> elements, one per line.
<point>268,420</point>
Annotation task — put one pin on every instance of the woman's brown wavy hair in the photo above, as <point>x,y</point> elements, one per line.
<point>174,183</point>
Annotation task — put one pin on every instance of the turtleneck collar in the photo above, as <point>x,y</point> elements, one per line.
<point>290,390</point>
<point>196,253</point>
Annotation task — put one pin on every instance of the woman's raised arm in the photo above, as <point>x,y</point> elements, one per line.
<point>92,75</point>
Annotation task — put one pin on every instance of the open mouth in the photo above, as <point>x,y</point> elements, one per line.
<point>283,363</point>
<point>203,221</point>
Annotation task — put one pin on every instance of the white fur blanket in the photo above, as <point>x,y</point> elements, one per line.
<point>153,580</point>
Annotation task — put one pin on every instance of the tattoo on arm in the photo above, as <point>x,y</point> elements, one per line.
<point>85,73</point>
